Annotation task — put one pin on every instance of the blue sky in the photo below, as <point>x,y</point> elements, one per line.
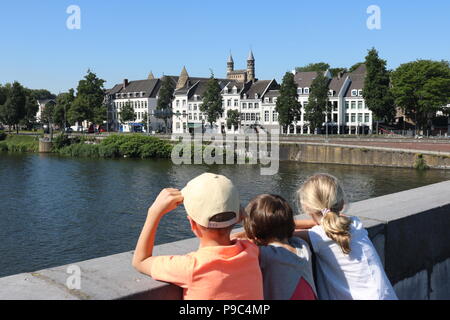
<point>127,39</point>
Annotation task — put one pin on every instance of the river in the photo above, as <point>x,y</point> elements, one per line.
<point>56,210</point>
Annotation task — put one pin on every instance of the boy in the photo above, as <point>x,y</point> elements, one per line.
<point>221,268</point>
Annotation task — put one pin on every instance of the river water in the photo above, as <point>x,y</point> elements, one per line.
<point>56,210</point>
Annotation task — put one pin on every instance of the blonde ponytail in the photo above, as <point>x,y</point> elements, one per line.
<point>337,228</point>
<point>323,197</point>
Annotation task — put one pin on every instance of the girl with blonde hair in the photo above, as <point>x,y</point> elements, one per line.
<point>347,264</point>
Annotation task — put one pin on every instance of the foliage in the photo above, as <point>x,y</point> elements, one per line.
<point>287,104</point>
<point>127,113</point>
<point>318,67</point>
<point>421,88</point>
<point>3,135</point>
<point>377,94</point>
<point>212,101</point>
<point>63,105</point>
<point>317,102</point>
<point>16,143</point>
<point>88,104</point>
<point>233,118</point>
<point>164,103</point>
<point>420,163</point>
<point>13,108</point>
<point>61,141</point>
<point>336,71</point>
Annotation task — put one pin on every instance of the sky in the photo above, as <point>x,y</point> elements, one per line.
<point>128,39</point>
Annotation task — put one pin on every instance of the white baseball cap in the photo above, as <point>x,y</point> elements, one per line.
<point>208,195</point>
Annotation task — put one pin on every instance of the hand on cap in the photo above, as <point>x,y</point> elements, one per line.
<point>167,200</point>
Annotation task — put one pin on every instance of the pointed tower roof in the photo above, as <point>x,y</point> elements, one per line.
<point>182,80</point>
<point>150,76</point>
<point>250,56</point>
<point>230,59</point>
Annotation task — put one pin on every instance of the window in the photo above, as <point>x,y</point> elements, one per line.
<point>299,90</point>
<point>258,116</point>
<point>353,104</point>
<point>189,106</point>
<point>306,91</point>
<point>274,115</point>
<point>184,103</point>
<point>366,117</point>
<point>256,105</point>
<point>190,116</point>
<point>195,116</point>
<point>354,93</point>
<point>256,96</point>
<point>225,90</point>
<point>236,103</point>
<point>330,93</point>
<point>195,107</point>
<point>229,103</point>
<point>274,99</point>
<point>234,90</point>
<point>347,105</point>
<point>266,116</point>
<point>346,117</point>
<point>360,104</point>
<point>250,105</point>
<point>177,125</point>
<point>360,117</point>
<point>353,117</point>
<point>247,116</point>
<point>244,105</point>
<point>177,103</point>
<point>253,118</point>
<point>267,100</point>
<point>360,93</point>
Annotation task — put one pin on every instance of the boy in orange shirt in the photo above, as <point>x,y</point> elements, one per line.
<point>221,268</point>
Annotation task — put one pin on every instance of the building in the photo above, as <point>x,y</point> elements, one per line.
<point>142,95</point>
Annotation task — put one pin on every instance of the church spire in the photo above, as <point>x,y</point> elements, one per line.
<point>150,76</point>
<point>182,79</point>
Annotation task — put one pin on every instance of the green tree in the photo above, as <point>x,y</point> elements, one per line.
<point>12,111</point>
<point>164,103</point>
<point>63,105</point>
<point>127,113</point>
<point>318,102</point>
<point>145,121</point>
<point>287,106</point>
<point>212,101</point>
<point>31,109</point>
<point>233,118</point>
<point>318,67</point>
<point>377,93</point>
<point>88,104</point>
<point>421,88</point>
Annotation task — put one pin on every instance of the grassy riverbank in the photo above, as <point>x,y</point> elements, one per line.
<point>19,143</point>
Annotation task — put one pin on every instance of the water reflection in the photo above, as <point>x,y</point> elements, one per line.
<point>57,210</point>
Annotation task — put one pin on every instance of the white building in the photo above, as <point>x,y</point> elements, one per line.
<point>142,95</point>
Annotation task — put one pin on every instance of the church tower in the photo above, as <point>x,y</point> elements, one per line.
<point>250,67</point>
<point>230,64</point>
<point>182,79</point>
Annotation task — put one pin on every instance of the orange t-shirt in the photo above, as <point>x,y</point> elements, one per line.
<point>214,273</point>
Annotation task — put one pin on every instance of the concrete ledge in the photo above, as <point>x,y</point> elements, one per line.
<point>409,230</point>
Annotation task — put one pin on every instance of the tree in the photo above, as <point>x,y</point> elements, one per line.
<point>31,108</point>
<point>421,88</point>
<point>164,103</point>
<point>12,111</point>
<point>63,105</point>
<point>336,71</point>
<point>127,113</point>
<point>88,104</point>
<point>377,93</point>
<point>318,67</point>
<point>212,101</point>
<point>233,118</point>
<point>145,121</point>
<point>287,106</point>
<point>317,102</point>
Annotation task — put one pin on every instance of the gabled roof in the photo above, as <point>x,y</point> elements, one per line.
<point>357,78</point>
<point>259,87</point>
<point>305,79</point>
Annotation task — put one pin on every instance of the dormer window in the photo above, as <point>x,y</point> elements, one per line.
<point>225,90</point>
<point>274,99</point>
<point>267,100</point>
<point>331,93</point>
<point>245,96</point>
<point>360,93</point>
<point>142,93</point>
<point>306,91</point>
<point>234,89</point>
<point>354,93</point>
<point>299,90</point>
<point>256,96</point>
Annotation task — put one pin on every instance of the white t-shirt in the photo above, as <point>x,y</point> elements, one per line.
<point>357,276</point>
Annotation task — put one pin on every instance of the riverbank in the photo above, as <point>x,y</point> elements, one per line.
<point>20,143</point>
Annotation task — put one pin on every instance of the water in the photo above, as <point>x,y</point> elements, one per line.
<point>57,210</point>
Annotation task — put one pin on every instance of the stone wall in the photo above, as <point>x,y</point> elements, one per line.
<point>409,229</point>
<point>357,155</point>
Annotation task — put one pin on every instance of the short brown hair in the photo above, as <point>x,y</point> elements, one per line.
<point>268,217</point>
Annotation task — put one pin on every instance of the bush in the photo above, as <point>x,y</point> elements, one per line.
<point>3,135</point>
<point>420,163</point>
<point>108,151</point>
<point>61,141</point>
<point>81,150</point>
<point>3,146</point>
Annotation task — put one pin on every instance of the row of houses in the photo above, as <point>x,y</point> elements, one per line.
<point>255,100</point>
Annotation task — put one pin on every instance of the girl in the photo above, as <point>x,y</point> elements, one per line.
<point>285,261</point>
<point>347,265</point>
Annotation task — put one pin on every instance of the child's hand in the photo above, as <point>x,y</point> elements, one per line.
<point>167,200</point>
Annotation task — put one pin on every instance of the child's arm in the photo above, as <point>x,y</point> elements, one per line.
<point>302,234</point>
<point>305,224</point>
<point>238,235</point>
<point>167,200</point>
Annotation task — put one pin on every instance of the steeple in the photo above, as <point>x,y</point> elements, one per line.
<point>230,64</point>
<point>183,79</point>
<point>250,67</point>
<point>150,76</point>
